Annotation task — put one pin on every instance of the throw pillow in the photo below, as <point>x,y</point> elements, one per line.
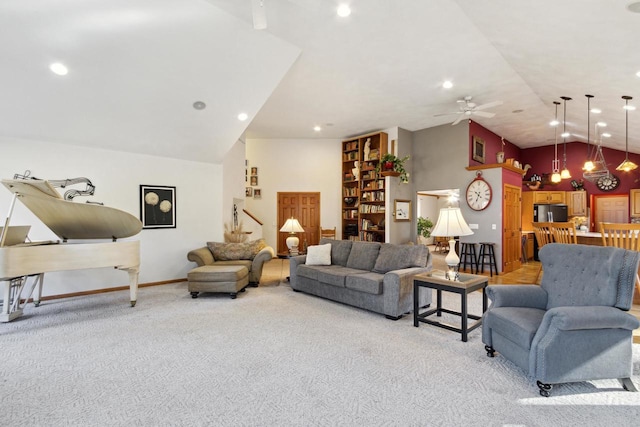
<point>230,251</point>
<point>319,255</point>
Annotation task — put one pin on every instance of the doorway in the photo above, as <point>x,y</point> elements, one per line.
<point>305,207</point>
<point>609,208</point>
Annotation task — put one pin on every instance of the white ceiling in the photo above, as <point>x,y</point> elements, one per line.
<point>137,66</point>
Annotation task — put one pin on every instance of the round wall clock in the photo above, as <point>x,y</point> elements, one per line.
<point>478,193</point>
<point>608,183</point>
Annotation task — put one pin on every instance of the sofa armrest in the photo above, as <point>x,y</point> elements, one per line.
<point>201,256</point>
<point>266,254</point>
<point>577,318</point>
<point>294,262</point>
<point>398,286</point>
<point>517,296</point>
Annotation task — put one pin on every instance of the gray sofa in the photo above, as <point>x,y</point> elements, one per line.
<point>374,276</point>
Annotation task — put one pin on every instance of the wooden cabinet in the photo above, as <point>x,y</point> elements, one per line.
<point>634,201</point>
<point>363,192</point>
<point>577,203</point>
<point>528,245</point>
<point>548,197</point>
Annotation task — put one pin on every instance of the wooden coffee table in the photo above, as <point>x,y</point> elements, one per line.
<point>465,284</point>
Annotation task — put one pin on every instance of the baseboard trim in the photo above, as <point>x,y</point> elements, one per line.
<point>105,290</point>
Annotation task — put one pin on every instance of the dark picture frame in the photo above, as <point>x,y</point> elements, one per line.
<point>478,149</point>
<point>157,206</point>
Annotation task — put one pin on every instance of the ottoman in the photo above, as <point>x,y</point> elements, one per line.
<point>218,278</point>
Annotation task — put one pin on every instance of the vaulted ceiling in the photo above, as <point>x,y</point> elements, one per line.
<point>136,67</point>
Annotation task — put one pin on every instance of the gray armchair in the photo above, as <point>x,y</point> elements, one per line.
<point>574,326</point>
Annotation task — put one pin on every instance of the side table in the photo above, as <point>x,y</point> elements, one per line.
<point>466,284</point>
<point>287,255</point>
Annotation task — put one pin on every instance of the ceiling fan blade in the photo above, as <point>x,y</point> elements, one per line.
<point>488,105</point>
<point>483,114</point>
<point>447,114</point>
<point>459,119</point>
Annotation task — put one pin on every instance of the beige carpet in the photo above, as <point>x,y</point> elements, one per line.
<point>272,357</point>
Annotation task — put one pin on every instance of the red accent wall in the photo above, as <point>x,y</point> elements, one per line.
<point>492,144</point>
<point>540,159</point>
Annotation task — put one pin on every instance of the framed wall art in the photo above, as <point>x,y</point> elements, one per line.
<point>257,193</point>
<point>402,210</point>
<point>248,191</point>
<point>478,149</point>
<point>157,206</point>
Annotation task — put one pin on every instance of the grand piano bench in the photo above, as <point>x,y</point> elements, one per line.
<point>229,279</point>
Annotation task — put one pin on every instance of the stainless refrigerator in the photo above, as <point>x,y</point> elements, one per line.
<point>548,213</point>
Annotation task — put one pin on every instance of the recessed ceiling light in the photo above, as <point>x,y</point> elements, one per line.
<point>344,10</point>
<point>601,124</point>
<point>59,69</point>
<point>554,122</point>
<point>634,7</point>
<point>606,135</point>
<point>638,74</point>
<point>447,84</point>
<point>565,134</point>
<point>243,116</point>
<point>596,110</point>
<point>199,105</point>
<point>629,107</point>
<point>317,128</point>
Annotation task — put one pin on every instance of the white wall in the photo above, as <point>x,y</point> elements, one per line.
<point>117,177</point>
<point>311,165</point>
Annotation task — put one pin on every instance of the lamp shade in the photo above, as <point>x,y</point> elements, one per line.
<point>292,226</point>
<point>451,223</point>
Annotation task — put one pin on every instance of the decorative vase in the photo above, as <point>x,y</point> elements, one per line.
<point>387,166</point>
<point>500,157</point>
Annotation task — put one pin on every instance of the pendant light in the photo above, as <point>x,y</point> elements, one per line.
<point>565,174</point>
<point>627,165</point>
<point>555,163</point>
<point>588,164</point>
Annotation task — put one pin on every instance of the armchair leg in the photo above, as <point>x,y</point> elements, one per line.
<point>545,389</point>
<point>490,351</point>
<point>627,384</point>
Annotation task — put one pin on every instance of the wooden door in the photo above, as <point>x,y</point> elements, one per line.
<point>305,207</point>
<point>511,243</point>
<point>635,202</point>
<point>614,208</point>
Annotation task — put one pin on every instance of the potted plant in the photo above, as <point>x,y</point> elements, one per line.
<point>424,230</point>
<point>391,163</point>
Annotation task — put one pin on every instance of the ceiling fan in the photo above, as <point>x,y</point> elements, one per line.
<point>468,108</point>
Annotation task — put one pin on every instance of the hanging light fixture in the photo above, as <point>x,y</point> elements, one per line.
<point>588,164</point>
<point>627,165</point>
<point>555,163</point>
<point>565,174</point>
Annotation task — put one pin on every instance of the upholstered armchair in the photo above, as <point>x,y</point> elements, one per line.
<point>574,326</point>
<point>252,255</point>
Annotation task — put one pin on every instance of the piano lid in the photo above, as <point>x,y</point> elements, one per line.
<point>72,220</point>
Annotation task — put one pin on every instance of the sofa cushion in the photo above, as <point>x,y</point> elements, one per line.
<point>340,250</point>
<point>363,255</point>
<point>327,274</point>
<point>370,283</point>
<point>396,257</point>
<point>236,251</point>
<point>319,255</point>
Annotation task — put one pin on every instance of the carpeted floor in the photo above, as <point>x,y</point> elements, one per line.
<point>272,357</point>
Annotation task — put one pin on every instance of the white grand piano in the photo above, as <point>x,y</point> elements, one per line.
<point>25,262</point>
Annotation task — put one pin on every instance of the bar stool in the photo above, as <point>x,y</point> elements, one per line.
<point>486,251</point>
<point>523,243</point>
<point>468,255</point>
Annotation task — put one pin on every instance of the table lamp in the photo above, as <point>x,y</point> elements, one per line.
<point>292,226</point>
<point>450,224</point>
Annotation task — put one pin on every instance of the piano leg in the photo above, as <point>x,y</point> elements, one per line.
<point>133,283</point>
<point>8,312</point>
